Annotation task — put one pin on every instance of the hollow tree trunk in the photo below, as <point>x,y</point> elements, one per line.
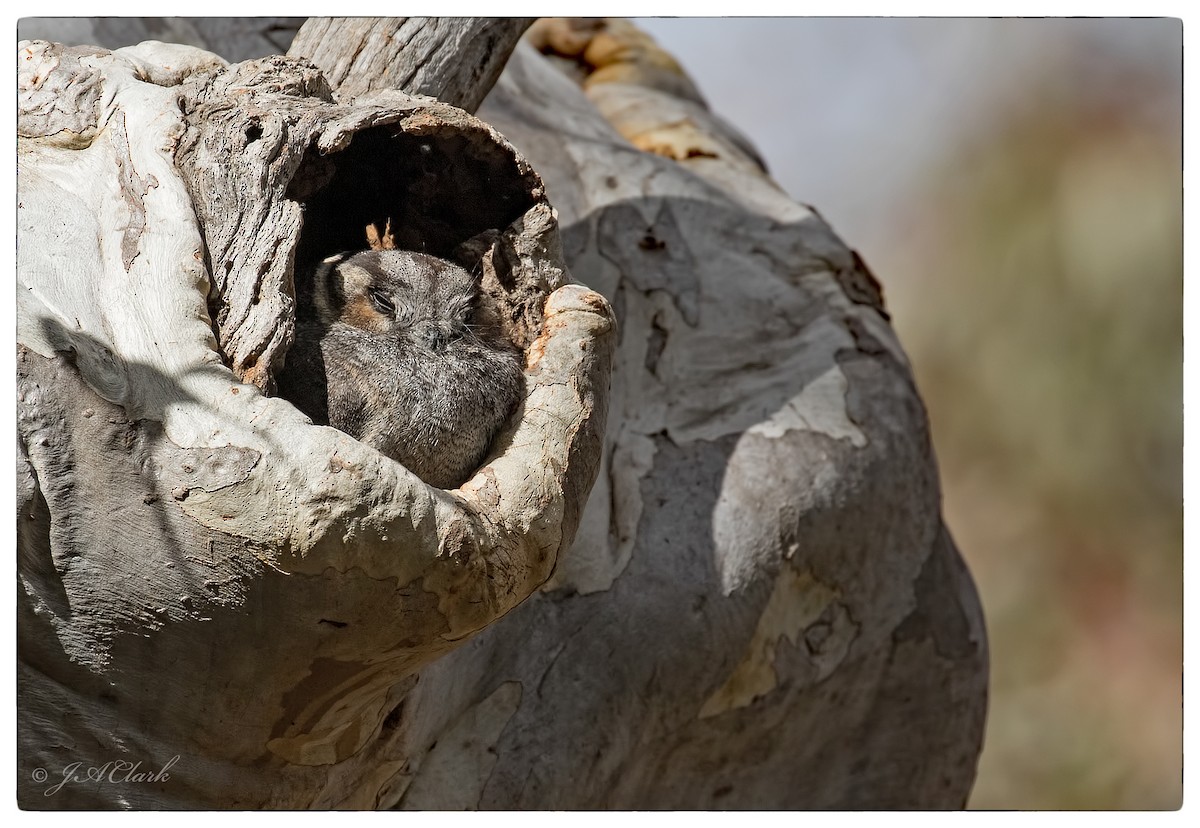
<point>761,606</point>
<point>205,574</point>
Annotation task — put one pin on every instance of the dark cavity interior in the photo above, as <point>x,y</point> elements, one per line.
<point>438,189</point>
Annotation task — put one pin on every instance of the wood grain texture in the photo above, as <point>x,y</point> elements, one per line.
<point>456,60</point>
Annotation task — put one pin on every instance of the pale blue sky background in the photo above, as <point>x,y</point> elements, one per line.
<point>849,113</point>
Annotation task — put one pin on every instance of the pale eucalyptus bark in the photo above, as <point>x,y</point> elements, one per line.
<point>203,572</point>
<point>456,60</point>
<point>761,607</point>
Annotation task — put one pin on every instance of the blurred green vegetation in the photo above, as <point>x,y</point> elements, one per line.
<point>1038,289</point>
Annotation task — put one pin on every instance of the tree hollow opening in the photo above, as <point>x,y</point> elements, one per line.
<point>419,184</point>
<point>436,185</point>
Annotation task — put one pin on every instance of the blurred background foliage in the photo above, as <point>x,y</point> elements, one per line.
<point>1017,187</point>
<point>1051,363</point>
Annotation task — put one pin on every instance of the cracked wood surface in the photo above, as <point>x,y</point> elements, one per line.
<point>456,60</point>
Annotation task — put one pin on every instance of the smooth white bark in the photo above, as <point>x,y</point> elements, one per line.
<point>249,590</point>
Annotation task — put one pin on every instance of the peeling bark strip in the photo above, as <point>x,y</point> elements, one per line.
<point>207,581</point>
<point>133,189</point>
<point>456,60</point>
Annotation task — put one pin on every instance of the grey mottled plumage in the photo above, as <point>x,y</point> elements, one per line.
<point>412,359</point>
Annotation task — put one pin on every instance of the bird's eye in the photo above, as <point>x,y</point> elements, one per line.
<point>465,311</point>
<point>382,302</point>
